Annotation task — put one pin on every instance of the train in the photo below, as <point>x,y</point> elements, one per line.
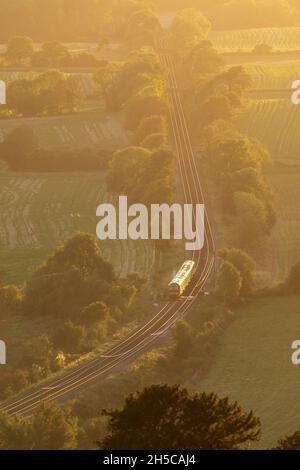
<point>182,279</point>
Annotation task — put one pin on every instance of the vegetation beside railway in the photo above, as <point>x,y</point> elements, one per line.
<point>235,165</point>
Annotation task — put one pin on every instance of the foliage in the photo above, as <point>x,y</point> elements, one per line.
<point>10,300</point>
<point>291,442</point>
<point>143,176</point>
<point>164,417</point>
<point>155,141</point>
<point>150,125</point>
<point>49,93</point>
<point>245,265</point>
<point>229,284</point>
<point>51,428</point>
<point>19,49</point>
<point>22,152</point>
<point>293,281</point>
<point>188,28</point>
<point>120,81</point>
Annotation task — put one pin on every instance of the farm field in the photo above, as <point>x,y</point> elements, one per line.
<point>274,75</point>
<point>253,366</point>
<point>81,129</point>
<point>282,249</point>
<point>37,211</point>
<point>246,39</point>
<point>276,122</point>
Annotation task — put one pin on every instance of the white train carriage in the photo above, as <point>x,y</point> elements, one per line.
<point>182,279</point>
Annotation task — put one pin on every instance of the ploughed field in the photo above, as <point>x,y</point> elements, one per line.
<point>246,39</point>
<point>37,211</point>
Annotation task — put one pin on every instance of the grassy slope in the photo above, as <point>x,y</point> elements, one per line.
<point>254,366</point>
<point>37,211</point>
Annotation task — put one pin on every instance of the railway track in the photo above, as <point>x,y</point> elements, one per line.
<point>147,335</point>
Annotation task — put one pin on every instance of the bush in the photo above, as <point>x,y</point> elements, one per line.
<point>262,49</point>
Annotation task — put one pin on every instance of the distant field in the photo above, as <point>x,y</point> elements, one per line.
<point>253,366</point>
<point>37,211</point>
<point>274,75</point>
<point>247,39</point>
<point>276,122</point>
<point>81,129</point>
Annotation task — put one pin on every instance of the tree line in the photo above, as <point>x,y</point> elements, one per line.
<point>22,51</point>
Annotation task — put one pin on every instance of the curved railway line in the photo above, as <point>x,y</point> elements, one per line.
<point>144,337</point>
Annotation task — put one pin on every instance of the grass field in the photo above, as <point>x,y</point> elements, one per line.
<point>253,366</point>
<point>282,249</point>
<point>246,39</point>
<point>80,129</point>
<point>276,123</point>
<point>37,211</point>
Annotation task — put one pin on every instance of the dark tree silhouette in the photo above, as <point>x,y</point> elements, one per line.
<point>164,417</point>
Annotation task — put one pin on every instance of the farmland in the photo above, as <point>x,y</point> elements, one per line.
<point>253,366</point>
<point>281,39</point>
<point>276,122</point>
<point>282,249</point>
<point>272,75</point>
<point>37,211</point>
<point>80,129</point>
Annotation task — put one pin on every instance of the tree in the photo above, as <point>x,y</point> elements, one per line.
<point>81,251</point>
<point>188,28</point>
<point>245,265</point>
<point>70,338</point>
<point>143,28</point>
<point>52,92</point>
<point>262,49</point>
<point>120,81</point>
<point>216,108</point>
<point>293,282</point>
<point>52,427</point>
<point>126,168</point>
<point>201,59</point>
<point>138,107</point>
<point>289,442</point>
<point>10,300</point>
<point>155,141</point>
<point>229,284</point>
<point>73,277</point>
<point>251,219</point>
<point>150,125</point>
<point>164,417</point>
<point>95,313</point>
<point>54,53</point>
<point>19,49</point>
<point>18,143</point>
<point>183,338</point>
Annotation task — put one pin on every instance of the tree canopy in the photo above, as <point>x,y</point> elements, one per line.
<point>168,417</point>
